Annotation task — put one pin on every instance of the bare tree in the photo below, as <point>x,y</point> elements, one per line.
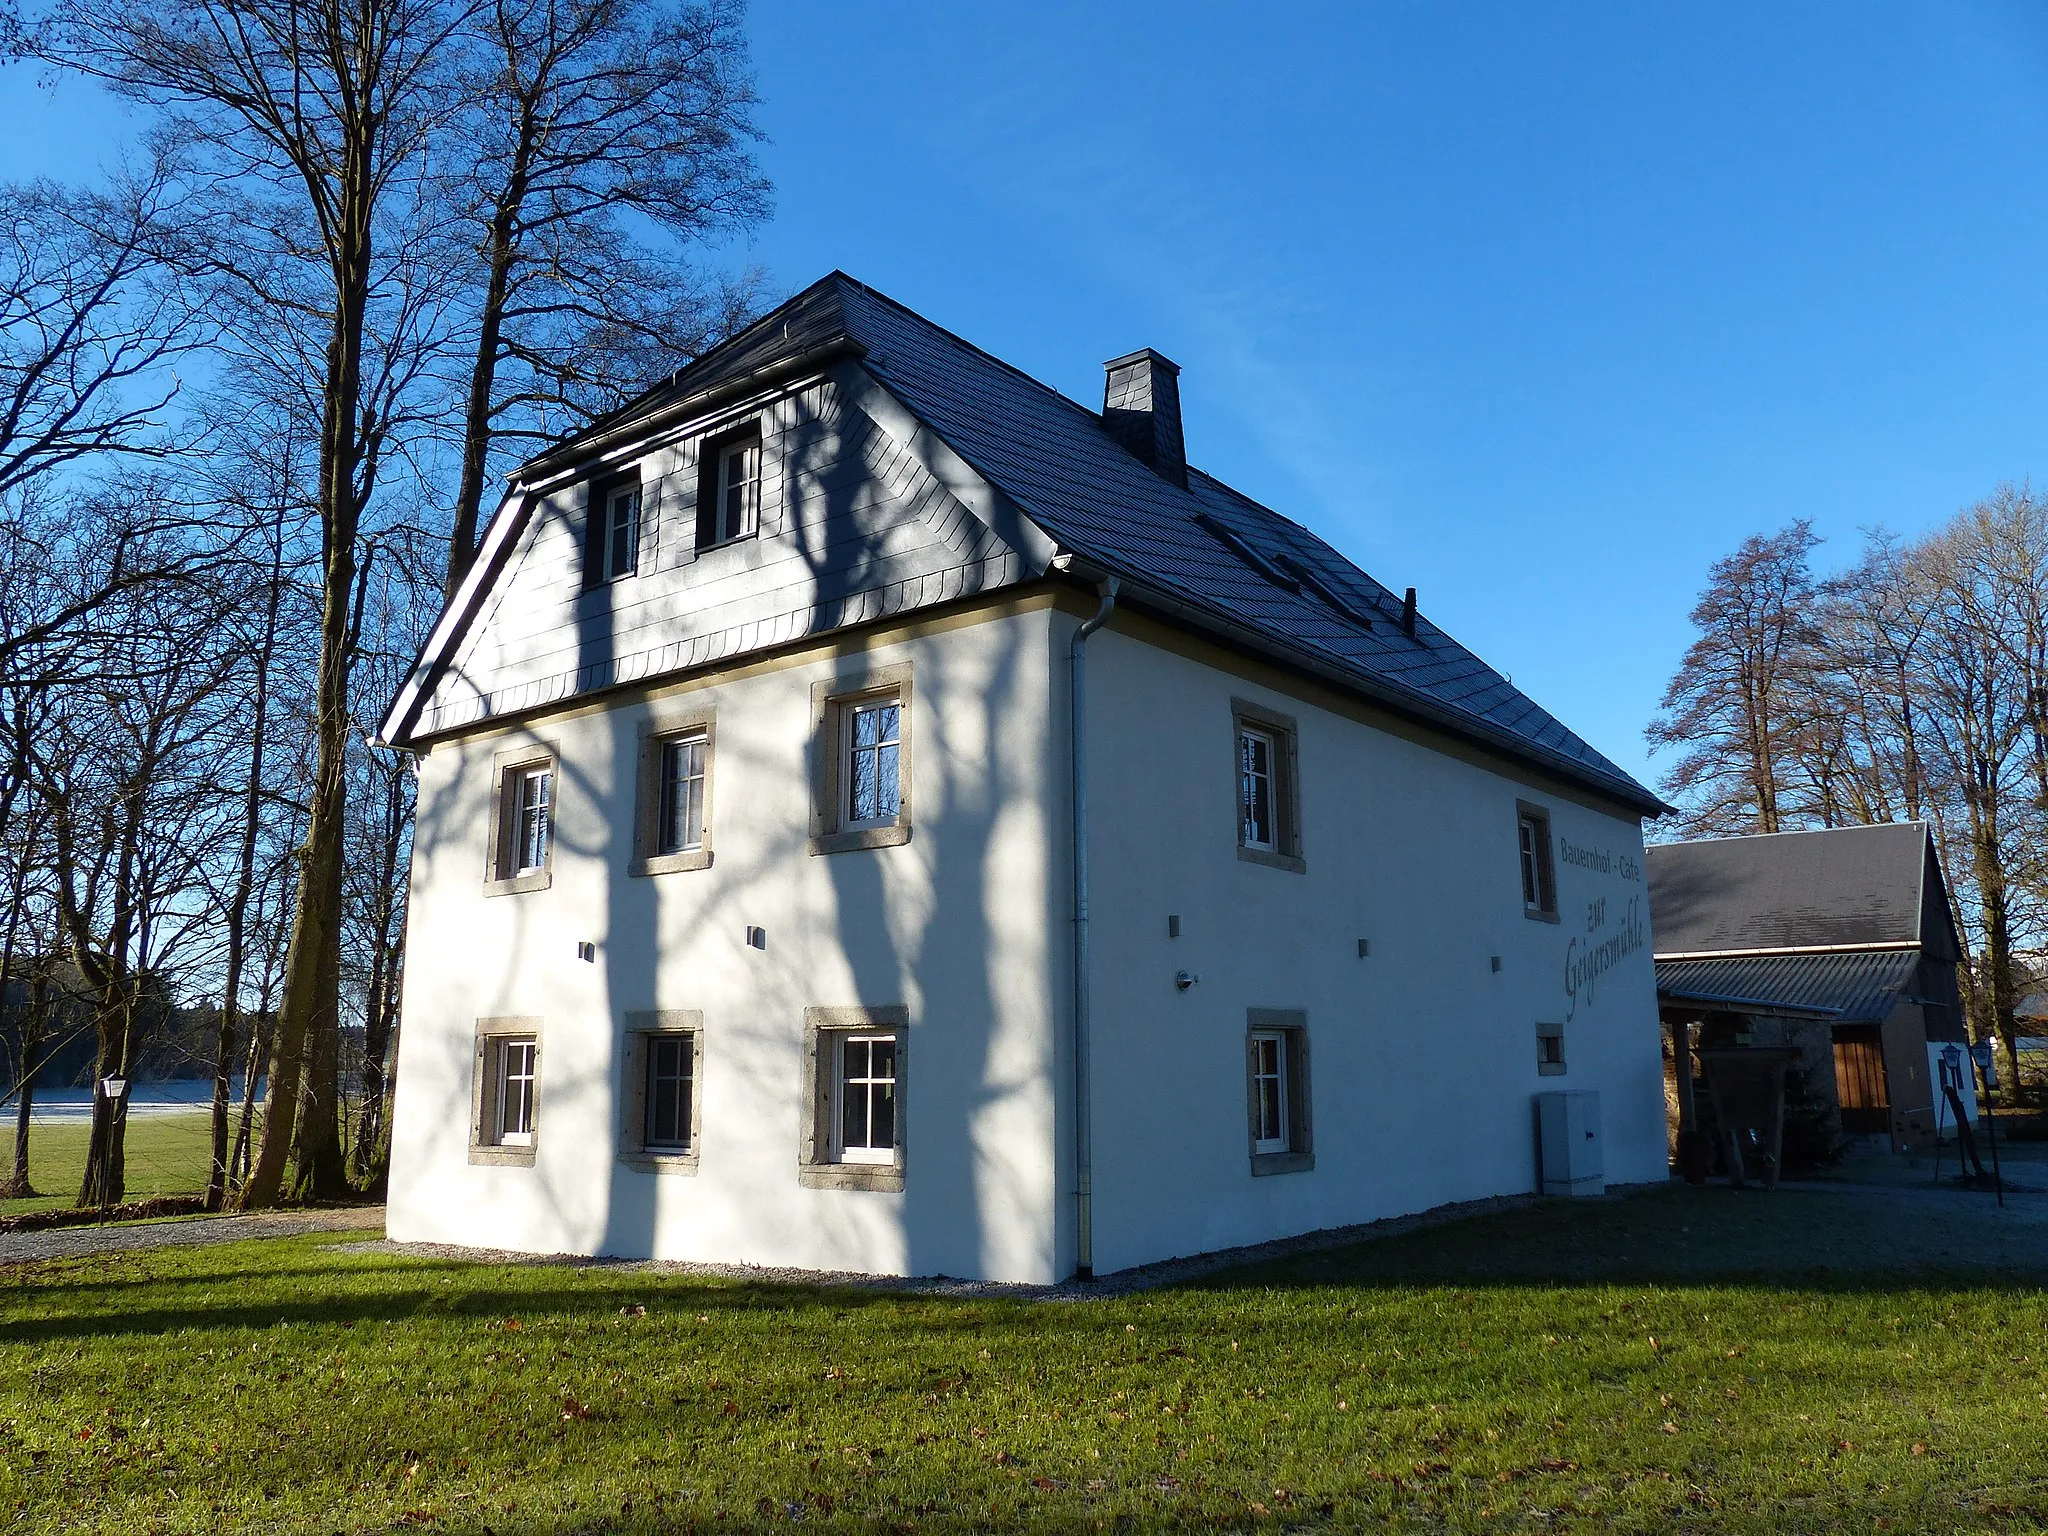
<point>1729,706</point>
<point>1985,572</point>
<point>317,119</point>
<point>596,120</point>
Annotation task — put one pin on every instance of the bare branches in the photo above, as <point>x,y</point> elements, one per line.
<point>1729,703</point>
<point>87,324</point>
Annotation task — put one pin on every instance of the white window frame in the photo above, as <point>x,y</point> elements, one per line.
<point>1279,1096</point>
<point>823,1160</point>
<point>533,812</point>
<point>843,1085</point>
<point>1250,780</point>
<point>698,742</point>
<point>518,1074</point>
<point>851,751</point>
<point>1270,1136</point>
<point>1537,868</point>
<point>732,523</point>
<point>620,545</point>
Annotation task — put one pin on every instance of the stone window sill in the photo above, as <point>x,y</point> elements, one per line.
<point>501,1157</point>
<point>671,863</point>
<point>1264,1163</point>
<point>683,1164</point>
<point>1287,861</point>
<point>539,880</point>
<point>871,1176</point>
<point>860,837</point>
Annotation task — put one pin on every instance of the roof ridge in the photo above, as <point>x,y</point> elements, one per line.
<point>1757,837</point>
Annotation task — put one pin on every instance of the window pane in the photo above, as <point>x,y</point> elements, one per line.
<point>872,762</point>
<point>515,1091</point>
<point>532,791</point>
<point>668,1092</point>
<point>682,796</point>
<point>621,533</point>
<point>853,1128</point>
<point>1255,764</point>
<point>886,795</point>
<point>866,798</point>
<point>882,1123</point>
<point>739,474</point>
<point>1532,895</point>
<point>1269,1092</point>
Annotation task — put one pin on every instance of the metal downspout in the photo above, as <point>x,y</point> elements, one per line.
<point>1084,1138</point>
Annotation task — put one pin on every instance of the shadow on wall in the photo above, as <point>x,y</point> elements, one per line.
<point>900,917</point>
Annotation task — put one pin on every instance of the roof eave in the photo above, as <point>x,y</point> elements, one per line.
<point>593,442</point>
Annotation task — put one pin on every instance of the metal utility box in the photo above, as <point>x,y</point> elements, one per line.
<point>1569,1145</point>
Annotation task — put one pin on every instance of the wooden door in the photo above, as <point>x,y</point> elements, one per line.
<point>1859,1080</point>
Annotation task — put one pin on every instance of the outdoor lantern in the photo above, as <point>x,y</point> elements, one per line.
<point>113,1087</point>
<point>1987,1063</point>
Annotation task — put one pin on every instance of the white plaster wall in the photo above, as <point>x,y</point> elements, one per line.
<point>955,924</point>
<point>1423,1057</point>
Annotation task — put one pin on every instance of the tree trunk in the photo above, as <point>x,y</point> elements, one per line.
<point>105,1181</point>
<point>381,1010</point>
<point>310,1007</point>
<point>476,419</point>
<point>245,886</point>
<point>18,1186</point>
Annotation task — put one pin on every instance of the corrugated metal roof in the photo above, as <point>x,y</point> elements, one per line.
<point>1058,462</point>
<point>1858,988</point>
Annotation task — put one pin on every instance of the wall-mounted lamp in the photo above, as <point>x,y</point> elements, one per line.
<point>586,951</point>
<point>1173,925</point>
<point>1496,962</point>
<point>1364,948</point>
<point>1185,980</point>
<point>757,938</point>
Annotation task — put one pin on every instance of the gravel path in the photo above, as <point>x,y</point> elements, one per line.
<point>1122,1283</point>
<point>126,1236</point>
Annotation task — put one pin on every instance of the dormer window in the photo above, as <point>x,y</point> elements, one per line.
<point>621,531</point>
<point>729,489</point>
<point>611,546</point>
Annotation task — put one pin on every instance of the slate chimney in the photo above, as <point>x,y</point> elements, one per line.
<point>1141,408</point>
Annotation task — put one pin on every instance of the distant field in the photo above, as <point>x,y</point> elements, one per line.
<point>166,1155</point>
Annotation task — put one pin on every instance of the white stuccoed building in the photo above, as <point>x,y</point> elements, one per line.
<point>878,814</point>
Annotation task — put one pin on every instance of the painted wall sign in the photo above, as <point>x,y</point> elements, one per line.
<point>1587,959</point>
<point>1600,861</point>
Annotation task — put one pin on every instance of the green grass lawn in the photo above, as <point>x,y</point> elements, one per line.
<point>1694,1360</point>
<point>164,1155</point>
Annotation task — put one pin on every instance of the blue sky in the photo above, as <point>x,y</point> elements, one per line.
<point>1535,308</point>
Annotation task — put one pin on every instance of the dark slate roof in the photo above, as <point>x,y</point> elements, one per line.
<point>1860,987</point>
<point>1055,459</point>
<point>1795,890</point>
